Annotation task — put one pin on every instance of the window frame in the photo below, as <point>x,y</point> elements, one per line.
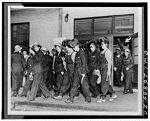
<point>12,24</point>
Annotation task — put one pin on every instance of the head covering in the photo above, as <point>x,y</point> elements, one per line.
<point>118,49</point>
<point>127,50</point>
<point>104,40</point>
<point>74,42</point>
<point>58,44</point>
<point>36,43</point>
<point>43,48</point>
<point>17,48</point>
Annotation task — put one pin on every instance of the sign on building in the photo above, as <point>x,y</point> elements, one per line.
<point>58,40</point>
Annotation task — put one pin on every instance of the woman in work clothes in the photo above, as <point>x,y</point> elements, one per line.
<point>105,70</point>
<point>127,70</point>
<point>38,82</point>
<point>80,74</point>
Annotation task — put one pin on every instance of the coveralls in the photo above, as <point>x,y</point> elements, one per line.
<point>106,88</point>
<point>18,65</point>
<point>38,77</point>
<point>80,68</point>
<point>93,64</point>
<point>59,67</point>
<point>128,63</point>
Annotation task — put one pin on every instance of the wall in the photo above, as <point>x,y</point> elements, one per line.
<point>43,24</point>
<point>83,12</point>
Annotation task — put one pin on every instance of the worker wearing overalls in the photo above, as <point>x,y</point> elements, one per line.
<point>80,74</point>
<point>127,72</point>
<point>105,70</point>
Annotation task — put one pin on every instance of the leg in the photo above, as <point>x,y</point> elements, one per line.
<point>94,87</point>
<point>14,83</point>
<point>85,88</point>
<point>35,86</point>
<point>59,80</point>
<point>75,86</point>
<point>26,87</point>
<point>19,80</point>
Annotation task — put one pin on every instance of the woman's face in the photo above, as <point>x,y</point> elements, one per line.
<point>58,48</point>
<point>69,49</point>
<point>126,54</point>
<point>103,45</point>
<point>92,47</point>
<point>76,48</point>
<point>36,48</point>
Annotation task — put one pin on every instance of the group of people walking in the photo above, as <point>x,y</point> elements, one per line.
<point>71,70</point>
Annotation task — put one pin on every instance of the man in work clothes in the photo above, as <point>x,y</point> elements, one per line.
<point>80,74</point>
<point>17,67</point>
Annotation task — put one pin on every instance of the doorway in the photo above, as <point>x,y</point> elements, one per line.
<point>122,43</point>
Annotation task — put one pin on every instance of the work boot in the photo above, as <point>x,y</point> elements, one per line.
<point>22,95</point>
<point>58,97</point>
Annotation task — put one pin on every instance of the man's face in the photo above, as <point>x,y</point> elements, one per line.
<point>58,48</point>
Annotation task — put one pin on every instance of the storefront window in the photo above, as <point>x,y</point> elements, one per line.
<point>124,24</point>
<point>102,25</point>
<point>20,35</point>
<point>83,27</point>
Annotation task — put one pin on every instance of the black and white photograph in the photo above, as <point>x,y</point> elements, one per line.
<point>75,61</point>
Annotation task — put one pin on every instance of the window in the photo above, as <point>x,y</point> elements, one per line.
<point>124,24</point>
<point>102,25</point>
<point>83,27</point>
<point>120,24</point>
<point>20,35</point>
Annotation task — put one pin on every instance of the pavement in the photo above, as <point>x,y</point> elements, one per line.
<point>123,102</point>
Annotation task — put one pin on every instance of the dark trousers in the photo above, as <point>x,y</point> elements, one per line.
<point>128,81</point>
<point>58,83</point>
<point>93,84</point>
<point>38,83</point>
<point>117,77</point>
<point>51,80</point>
<point>76,85</point>
<point>45,77</point>
<point>17,78</point>
<point>105,84</point>
<point>27,86</point>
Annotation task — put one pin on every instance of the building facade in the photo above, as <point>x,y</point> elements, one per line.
<point>44,24</point>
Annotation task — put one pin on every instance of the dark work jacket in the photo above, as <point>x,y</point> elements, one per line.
<point>69,64</point>
<point>118,62</point>
<point>93,61</point>
<point>18,62</point>
<point>45,62</point>
<point>81,63</point>
<point>58,64</point>
<point>128,62</point>
<point>30,63</point>
<point>38,58</point>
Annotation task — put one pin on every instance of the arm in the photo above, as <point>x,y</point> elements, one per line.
<point>108,56</point>
<point>73,56</point>
<point>131,63</point>
<point>38,57</point>
<point>84,63</point>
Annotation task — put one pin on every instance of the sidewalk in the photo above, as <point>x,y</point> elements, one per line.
<point>127,102</point>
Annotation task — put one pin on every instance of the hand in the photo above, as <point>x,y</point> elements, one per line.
<point>62,73</point>
<point>83,75</point>
<point>122,76</point>
<point>53,72</point>
<point>127,68</point>
<point>115,68</point>
<point>33,53</point>
<point>108,73</point>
